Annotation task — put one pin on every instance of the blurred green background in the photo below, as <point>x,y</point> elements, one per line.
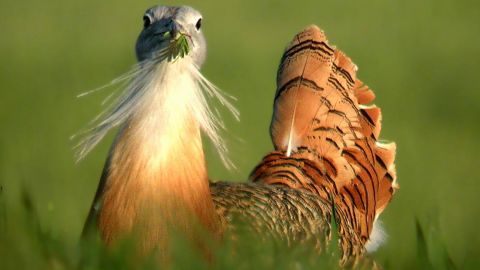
<point>420,57</point>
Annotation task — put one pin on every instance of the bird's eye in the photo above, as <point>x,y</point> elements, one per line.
<point>146,21</point>
<point>198,24</point>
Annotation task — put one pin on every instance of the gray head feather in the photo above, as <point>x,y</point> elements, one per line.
<point>162,23</point>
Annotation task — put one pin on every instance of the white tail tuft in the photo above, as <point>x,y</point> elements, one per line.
<point>378,237</point>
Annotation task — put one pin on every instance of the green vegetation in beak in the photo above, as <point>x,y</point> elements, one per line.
<point>178,46</point>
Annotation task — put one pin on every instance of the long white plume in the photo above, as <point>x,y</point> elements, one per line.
<point>142,81</point>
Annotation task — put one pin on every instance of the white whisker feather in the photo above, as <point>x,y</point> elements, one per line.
<point>145,78</point>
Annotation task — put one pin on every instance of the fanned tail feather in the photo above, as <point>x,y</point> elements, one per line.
<point>325,133</point>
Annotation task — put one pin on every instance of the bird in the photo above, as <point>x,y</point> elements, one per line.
<point>327,164</point>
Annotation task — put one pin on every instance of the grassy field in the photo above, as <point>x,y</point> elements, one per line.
<point>421,58</point>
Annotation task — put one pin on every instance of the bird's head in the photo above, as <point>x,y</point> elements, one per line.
<point>173,32</point>
<point>170,49</point>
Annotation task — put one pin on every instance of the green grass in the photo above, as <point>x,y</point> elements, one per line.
<point>34,247</point>
<point>420,57</point>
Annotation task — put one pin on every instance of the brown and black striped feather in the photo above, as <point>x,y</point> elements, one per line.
<point>326,137</point>
<point>291,216</point>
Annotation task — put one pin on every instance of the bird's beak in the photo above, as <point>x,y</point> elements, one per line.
<point>169,30</point>
<point>179,42</point>
<point>174,29</point>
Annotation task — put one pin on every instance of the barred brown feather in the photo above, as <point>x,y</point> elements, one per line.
<point>294,216</point>
<point>324,135</point>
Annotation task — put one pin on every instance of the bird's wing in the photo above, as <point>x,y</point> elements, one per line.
<point>280,213</point>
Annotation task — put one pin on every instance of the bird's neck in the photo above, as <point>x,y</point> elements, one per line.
<point>157,177</point>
